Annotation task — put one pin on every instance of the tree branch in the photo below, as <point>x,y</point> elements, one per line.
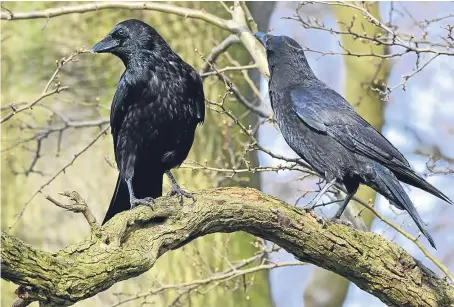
<point>46,92</point>
<point>132,241</point>
<point>91,7</point>
<point>79,206</point>
<point>238,25</point>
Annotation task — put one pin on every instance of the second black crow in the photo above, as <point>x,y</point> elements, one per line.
<point>324,129</point>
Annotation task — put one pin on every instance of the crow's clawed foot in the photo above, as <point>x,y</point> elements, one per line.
<point>180,193</point>
<point>147,201</point>
<point>343,222</point>
<point>176,190</point>
<point>319,219</point>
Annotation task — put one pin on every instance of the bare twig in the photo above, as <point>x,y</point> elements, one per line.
<point>215,278</point>
<point>79,206</point>
<point>249,18</point>
<point>214,54</point>
<point>93,7</point>
<point>236,68</point>
<point>45,93</point>
<point>29,106</point>
<point>218,50</point>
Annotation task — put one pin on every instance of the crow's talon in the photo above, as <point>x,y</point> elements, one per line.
<point>322,221</point>
<point>319,219</point>
<point>180,193</point>
<point>311,212</point>
<point>147,201</point>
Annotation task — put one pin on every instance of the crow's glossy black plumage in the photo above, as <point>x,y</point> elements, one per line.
<point>323,128</point>
<point>156,108</point>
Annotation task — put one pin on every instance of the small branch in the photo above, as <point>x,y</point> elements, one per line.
<point>217,279</point>
<point>193,165</point>
<point>367,15</point>
<point>217,51</point>
<point>45,93</point>
<point>228,68</point>
<point>29,106</point>
<point>132,241</point>
<point>79,206</point>
<point>92,7</point>
<point>249,18</point>
<point>237,25</point>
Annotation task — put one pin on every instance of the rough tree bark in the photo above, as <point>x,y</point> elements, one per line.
<point>131,242</point>
<point>360,75</point>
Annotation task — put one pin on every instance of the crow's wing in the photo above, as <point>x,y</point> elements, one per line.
<point>196,84</point>
<point>324,110</point>
<point>119,108</point>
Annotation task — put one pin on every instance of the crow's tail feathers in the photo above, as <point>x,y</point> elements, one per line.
<point>145,184</point>
<point>389,187</point>
<point>120,200</point>
<point>410,177</point>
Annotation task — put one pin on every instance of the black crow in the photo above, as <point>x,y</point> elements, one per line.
<point>158,104</point>
<point>324,130</point>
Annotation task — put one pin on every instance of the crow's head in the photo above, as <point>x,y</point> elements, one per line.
<point>284,53</point>
<point>130,37</point>
<point>278,45</point>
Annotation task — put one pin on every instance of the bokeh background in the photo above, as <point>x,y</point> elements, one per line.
<point>39,143</point>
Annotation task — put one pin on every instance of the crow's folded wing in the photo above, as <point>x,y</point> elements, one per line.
<point>196,84</point>
<point>324,110</point>
<point>119,108</point>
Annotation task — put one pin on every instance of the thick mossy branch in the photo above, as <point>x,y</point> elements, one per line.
<point>132,241</point>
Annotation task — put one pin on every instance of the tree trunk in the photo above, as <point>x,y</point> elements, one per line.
<point>34,51</point>
<point>325,288</point>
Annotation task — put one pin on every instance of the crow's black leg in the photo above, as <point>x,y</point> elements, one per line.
<point>317,197</point>
<point>134,201</point>
<point>343,206</point>
<point>176,190</point>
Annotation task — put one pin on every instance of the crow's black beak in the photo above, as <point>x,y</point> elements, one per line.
<point>106,45</point>
<point>261,37</point>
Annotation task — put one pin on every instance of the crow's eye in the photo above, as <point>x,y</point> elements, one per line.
<point>121,32</point>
